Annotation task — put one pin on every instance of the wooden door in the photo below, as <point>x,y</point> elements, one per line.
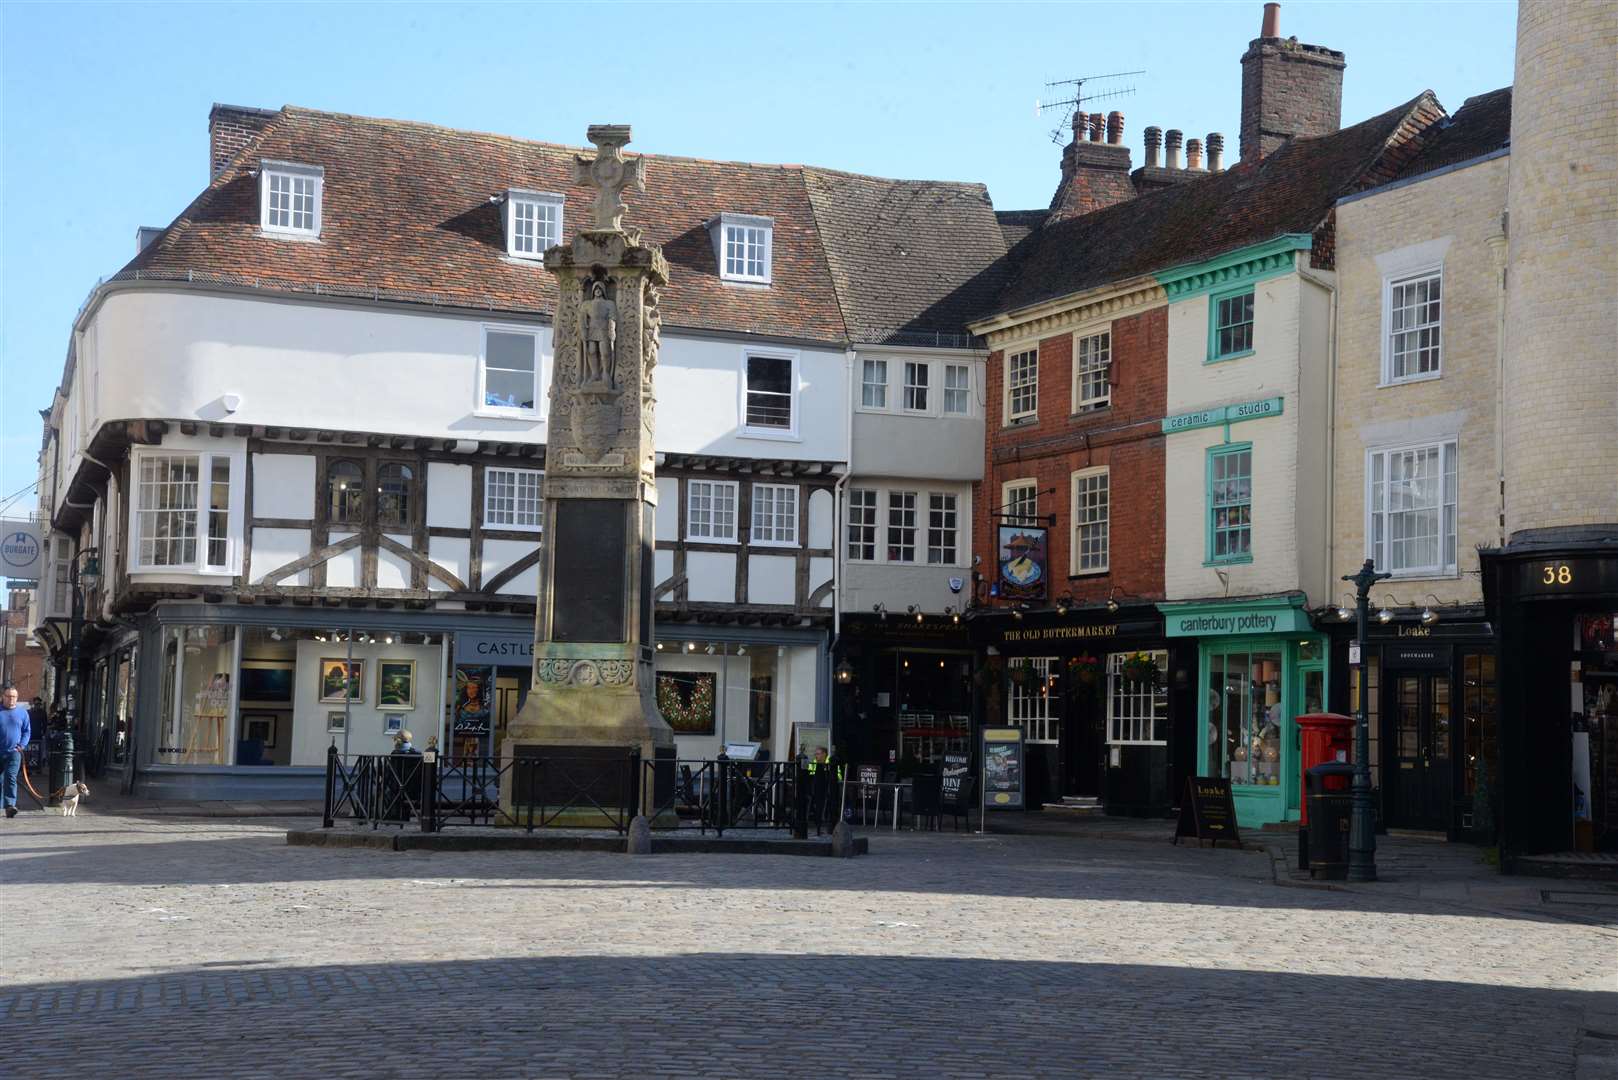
<point>1422,747</point>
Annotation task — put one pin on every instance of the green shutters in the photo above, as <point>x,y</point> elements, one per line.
<point>1230,503</point>
<point>1230,323</point>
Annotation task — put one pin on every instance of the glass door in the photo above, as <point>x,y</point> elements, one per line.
<point>1422,748</point>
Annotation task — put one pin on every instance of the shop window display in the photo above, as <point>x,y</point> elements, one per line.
<point>197,728</point>
<point>1245,717</point>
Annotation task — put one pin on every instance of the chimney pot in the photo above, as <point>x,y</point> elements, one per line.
<point>1193,155</point>
<point>1272,21</point>
<point>1154,142</point>
<point>1081,124</point>
<point>1098,127</point>
<point>1115,127</point>
<point>1216,152</point>
<point>1171,142</point>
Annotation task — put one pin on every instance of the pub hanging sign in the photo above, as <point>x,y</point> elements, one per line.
<point>1024,562</point>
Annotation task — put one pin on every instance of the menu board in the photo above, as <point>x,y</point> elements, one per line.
<point>1003,768</point>
<point>956,767</point>
<point>1208,811</point>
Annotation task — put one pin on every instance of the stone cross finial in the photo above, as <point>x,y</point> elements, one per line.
<point>610,173</point>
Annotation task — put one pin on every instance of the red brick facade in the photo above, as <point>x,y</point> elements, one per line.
<point>1126,437</point>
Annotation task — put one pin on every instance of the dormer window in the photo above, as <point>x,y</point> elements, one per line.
<point>289,198</point>
<point>533,223</point>
<point>743,245</point>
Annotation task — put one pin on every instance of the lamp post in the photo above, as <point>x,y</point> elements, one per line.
<point>1362,821</point>
<point>84,574</point>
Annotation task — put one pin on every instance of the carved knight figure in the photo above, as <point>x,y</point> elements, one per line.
<point>650,341</point>
<point>598,337</point>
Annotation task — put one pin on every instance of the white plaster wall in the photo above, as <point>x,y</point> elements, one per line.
<point>771,579</point>
<point>453,555</point>
<point>499,554</point>
<point>662,567</point>
<point>274,548</point>
<point>449,496</point>
<point>283,486</point>
<point>668,508</point>
<point>800,692</point>
<point>392,572</point>
<point>343,569</point>
<point>821,572</point>
<point>822,519</point>
<point>175,354</point>
<point>365,722</point>
<point>899,585</point>
<point>711,576</point>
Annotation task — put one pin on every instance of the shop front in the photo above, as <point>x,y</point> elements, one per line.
<point>1261,665</point>
<point>905,697</point>
<point>1097,693</point>
<point>1556,607</point>
<point>1432,713</point>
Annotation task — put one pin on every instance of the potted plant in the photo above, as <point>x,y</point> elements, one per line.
<point>1084,670</point>
<point>1140,667</point>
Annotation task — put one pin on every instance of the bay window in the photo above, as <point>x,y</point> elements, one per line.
<point>187,512</point>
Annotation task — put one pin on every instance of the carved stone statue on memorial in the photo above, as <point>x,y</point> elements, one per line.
<point>598,333</point>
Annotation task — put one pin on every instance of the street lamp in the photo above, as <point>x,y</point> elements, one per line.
<point>1362,821</point>
<point>84,575</point>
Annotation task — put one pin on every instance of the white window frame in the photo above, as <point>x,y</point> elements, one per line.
<point>234,518</point>
<point>1082,367</point>
<point>908,388</point>
<point>1013,414</point>
<point>1075,555</point>
<point>757,432</point>
<point>520,197</point>
<point>1391,281</point>
<point>1135,708</point>
<point>768,534</point>
<point>952,509</point>
<point>1033,706</point>
<point>481,406</point>
<point>1449,509</point>
<point>713,486</point>
<point>517,475</point>
<point>292,172</point>
<point>723,226</point>
<point>946,389</point>
<point>1009,494</point>
<point>889,525</point>
<point>866,385</point>
<point>873,524</point>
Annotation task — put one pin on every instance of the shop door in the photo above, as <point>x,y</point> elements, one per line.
<point>1422,750</point>
<point>1083,747</point>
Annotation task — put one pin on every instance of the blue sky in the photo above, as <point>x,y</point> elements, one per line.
<point>103,118</point>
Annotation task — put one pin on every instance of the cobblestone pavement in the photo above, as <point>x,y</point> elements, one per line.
<point>164,947</point>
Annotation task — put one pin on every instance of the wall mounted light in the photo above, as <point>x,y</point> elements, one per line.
<point>1063,603</point>
<point>845,672</point>
<point>1346,611</point>
<point>954,616</point>
<point>1385,616</point>
<point>881,610</point>
<point>690,646</point>
<point>741,650</point>
<point>1428,615</point>
<point>1112,605</point>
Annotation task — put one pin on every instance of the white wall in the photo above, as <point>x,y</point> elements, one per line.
<point>930,445</point>
<point>366,728</point>
<point>283,486</point>
<point>898,585</point>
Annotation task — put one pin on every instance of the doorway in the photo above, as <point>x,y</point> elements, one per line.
<point>1422,749</point>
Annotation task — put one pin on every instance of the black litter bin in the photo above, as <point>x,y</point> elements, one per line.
<point>1329,789</point>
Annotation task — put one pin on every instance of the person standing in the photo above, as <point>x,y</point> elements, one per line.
<point>15,731</point>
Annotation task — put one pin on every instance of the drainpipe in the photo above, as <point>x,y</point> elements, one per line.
<point>1331,427</point>
<point>1497,248</point>
<point>839,493</point>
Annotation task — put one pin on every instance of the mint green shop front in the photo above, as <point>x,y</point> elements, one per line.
<point>1260,666</point>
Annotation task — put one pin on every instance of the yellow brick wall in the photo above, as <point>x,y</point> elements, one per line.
<point>1561,371</point>
<point>1409,223</point>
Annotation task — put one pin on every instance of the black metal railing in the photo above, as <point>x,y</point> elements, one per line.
<point>722,794</point>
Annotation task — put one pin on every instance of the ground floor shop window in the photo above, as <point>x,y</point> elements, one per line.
<point>718,693</point>
<point>1137,707</point>
<point>1245,717</point>
<point>196,727</point>
<point>1033,703</point>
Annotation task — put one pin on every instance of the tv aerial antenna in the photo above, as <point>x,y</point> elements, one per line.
<point>1081,97</point>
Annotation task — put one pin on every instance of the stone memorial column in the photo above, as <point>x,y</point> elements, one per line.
<point>591,702</point>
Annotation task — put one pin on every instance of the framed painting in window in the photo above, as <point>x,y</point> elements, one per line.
<point>396,685</point>
<point>342,680</point>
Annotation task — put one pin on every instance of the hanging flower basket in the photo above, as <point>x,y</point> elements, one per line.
<point>1140,667</point>
<point>1084,670</point>
<point>1021,674</point>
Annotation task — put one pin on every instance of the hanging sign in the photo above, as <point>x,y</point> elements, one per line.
<point>20,550</point>
<point>1208,811</point>
<point>1003,768</point>
<point>1023,562</point>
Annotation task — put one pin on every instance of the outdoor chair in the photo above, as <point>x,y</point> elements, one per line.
<point>927,800</point>
<point>961,806</point>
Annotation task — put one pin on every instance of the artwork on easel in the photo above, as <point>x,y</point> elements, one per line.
<point>208,718</point>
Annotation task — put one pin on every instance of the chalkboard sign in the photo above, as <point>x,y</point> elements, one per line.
<point>1003,768</point>
<point>870,774</point>
<point>956,766</point>
<point>1208,811</point>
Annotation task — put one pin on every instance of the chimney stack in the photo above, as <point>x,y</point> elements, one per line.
<point>1288,89</point>
<point>1216,152</point>
<point>1115,128</point>
<point>1154,143</point>
<point>1172,146</point>
<point>231,127</point>
<point>1193,155</point>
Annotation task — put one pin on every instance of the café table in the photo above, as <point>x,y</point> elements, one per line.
<point>869,793</point>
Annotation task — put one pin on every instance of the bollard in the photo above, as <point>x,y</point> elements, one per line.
<point>800,802</point>
<point>723,761</point>
<point>61,772</point>
<point>331,778</point>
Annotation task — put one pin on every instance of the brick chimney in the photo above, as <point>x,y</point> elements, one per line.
<point>231,127</point>
<point>1154,175</point>
<point>1095,173</point>
<point>1288,89</point>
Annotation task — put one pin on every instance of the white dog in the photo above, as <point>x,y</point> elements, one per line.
<point>71,796</point>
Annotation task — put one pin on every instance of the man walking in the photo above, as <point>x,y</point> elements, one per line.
<point>15,731</point>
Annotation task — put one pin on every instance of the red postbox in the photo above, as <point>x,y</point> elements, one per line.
<point>1323,737</point>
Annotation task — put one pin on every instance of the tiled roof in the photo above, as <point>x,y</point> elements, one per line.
<point>912,260</point>
<point>406,212</point>
<point>1290,191</point>
<point>1480,126</point>
<point>1017,224</point>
